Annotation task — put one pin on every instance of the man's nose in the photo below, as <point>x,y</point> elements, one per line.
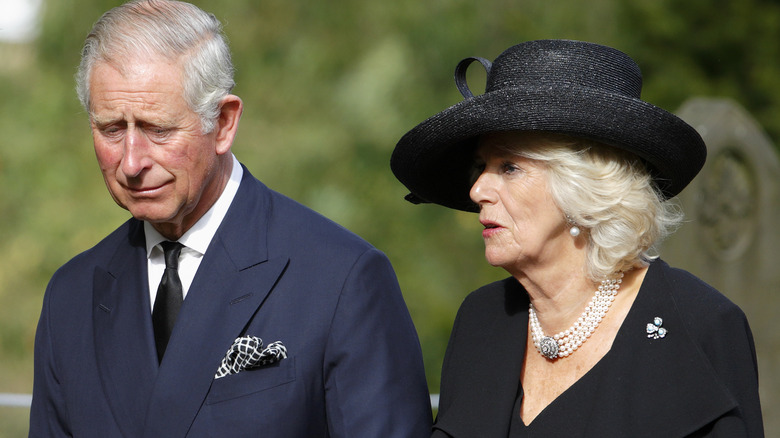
<point>136,155</point>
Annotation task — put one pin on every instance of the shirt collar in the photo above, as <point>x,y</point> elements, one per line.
<point>199,236</point>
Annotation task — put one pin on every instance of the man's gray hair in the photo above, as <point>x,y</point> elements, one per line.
<point>167,29</point>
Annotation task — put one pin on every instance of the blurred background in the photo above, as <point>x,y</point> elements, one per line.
<point>329,87</point>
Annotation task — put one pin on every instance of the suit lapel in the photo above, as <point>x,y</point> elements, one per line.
<point>659,369</point>
<point>233,280</point>
<point>123,337</point>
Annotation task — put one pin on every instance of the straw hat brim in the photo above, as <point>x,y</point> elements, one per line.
<point>434,159</point>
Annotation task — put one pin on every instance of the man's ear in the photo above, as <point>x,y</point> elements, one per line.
<point>230,111</point>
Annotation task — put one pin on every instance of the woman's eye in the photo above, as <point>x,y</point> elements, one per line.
<point>510,168</point>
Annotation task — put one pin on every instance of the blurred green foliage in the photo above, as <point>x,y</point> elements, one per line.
<point>329,87</point>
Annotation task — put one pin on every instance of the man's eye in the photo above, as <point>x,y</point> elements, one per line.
<point>158,132</point>
<point>110,130</point>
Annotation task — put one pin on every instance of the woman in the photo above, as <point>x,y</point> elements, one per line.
<point>592,335</point>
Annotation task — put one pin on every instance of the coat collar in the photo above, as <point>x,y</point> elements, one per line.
<point>234,279</point>
<point>641,381</point>
<point>484,374</point>
<point>680,390</point>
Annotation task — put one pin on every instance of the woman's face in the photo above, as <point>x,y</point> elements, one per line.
<point>524,228</point>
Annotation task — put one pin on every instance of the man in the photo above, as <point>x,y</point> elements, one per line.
<point>290,326</point>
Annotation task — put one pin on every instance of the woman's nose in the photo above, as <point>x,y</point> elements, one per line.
<point>483,191</point>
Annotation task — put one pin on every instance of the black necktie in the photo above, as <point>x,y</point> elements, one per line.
<point>169,298</point>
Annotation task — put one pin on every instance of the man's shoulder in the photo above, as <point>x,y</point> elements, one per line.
<point>103,251</point>
<point>291,223</point>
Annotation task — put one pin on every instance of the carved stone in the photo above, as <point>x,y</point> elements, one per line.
<point>731,237</point>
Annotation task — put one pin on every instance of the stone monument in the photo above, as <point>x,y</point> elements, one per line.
<point>731,236</point>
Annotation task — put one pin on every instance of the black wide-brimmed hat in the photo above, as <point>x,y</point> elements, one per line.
<point>571,87</point>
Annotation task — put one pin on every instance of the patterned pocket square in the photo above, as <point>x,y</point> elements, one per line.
<point>248,352</point>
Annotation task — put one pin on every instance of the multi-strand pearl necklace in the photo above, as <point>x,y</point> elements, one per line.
<point>568,341</point>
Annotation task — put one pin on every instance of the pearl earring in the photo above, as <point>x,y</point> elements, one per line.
<point>574,230</point>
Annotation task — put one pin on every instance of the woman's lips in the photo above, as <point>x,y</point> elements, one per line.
<point>491,228</point>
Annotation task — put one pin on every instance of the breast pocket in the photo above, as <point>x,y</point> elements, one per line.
<point>252,381</point>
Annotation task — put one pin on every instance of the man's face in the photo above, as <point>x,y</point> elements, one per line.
<point>155,160</point>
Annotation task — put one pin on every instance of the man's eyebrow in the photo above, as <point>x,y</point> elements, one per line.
<point>105,121</point>
<point>98,120</point>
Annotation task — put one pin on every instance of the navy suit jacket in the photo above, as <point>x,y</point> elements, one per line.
<point>275,270</point>
<point>700,380</point>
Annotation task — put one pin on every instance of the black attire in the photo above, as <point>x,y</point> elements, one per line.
<point>700,380</point>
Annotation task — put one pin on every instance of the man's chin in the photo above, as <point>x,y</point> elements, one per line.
<point>153,217</point>
<point>146,210</point>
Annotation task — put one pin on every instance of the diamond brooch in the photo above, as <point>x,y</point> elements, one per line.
<point>654,329</point>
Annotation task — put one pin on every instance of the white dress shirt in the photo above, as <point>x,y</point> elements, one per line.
<point>196,240</point>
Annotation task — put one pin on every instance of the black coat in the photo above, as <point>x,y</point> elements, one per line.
<point>699,380</point>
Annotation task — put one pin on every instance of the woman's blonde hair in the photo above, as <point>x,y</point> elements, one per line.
<point>609,193</point>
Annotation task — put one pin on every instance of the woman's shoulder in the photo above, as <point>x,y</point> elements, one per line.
<point>696,298</point>
<point>719,330</point>
<point>711,318</point>
<point>505,296</point>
